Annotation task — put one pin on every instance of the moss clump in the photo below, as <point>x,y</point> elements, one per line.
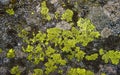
<point>79,71</point>
<point>0,50</point>
<point>10,11</point>
<point>45,11</point>
<point>59,46</point>
<point>67,15</point>
<point>111,56</point>
<point>15,70</point>
<point>11,53</point>
<point>92,56</point>
<point>87,31</point>
<point>38,72</point>
<point>65,40</point>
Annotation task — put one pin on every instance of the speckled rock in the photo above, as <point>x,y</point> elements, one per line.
<point>99,19</point>
<point>106,32</point>
<point>3,70</point>
<point>4,2</point>
<point>63,25</point>
<point>112,9</point>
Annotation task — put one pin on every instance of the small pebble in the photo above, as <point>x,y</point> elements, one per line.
<point>106,32</point>
<point>4,2</point>
<point>63,25</point>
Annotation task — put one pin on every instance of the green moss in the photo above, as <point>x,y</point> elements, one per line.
<point>87,31</point>
<point>15,70</point>
<point>24,34</point>
<point>53,35</point>
<point>56,47</point>
<point>50,67</point>
<point>10,11</point>
<point>38,72</point>
<point>0,50</point>
<point>57,15</point>
<point>35,54</point>
<point>11,53</point>
<point>79,71</point>
<point>45,11</point>
<point>49,51</point>
<point>101,52</point>
<point>67,15</point>
<point>103,74</point>
<point>92,56</point>
<point>111,55</point>
<point>79,54</point>
<point>54,60</point>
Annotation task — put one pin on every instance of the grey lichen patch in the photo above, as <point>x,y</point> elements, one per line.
<point>112,9</point>
<point>54,1</point>
<point>106,32</point>
<point>4,2</point>
<point>3,70</point>
<point>98,17</point>
<point>20,54</point>
<point>63,25</point>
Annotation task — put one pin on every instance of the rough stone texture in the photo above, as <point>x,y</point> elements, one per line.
<point>3,70</point>
<point>106,32</point>
<point>4,2</point>
<point>112,9</point>
<point>63,25</point>
<point>101,20</point>
<point>98,17</point>
<point>27,16</point>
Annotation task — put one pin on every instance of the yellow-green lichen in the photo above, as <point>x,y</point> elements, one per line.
<point>111,56</point>
<point>52,44</point>
<point>15,70</point>
<point>10,11</point>
<point>11,53</point>
<point>45,11</point>
<point>79,71</point>
<point>38,72</point>
<point>92,56</point>
<point>67,15</point>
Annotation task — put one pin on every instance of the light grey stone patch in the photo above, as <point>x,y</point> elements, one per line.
<point>38,8</point>
<point>106,32</point>
<point>53,1</point>
<point>112,9</point>
<point>60,10</point>
<point>98,18</point>
<point>20,54</point>
<point>63,25</point>
<point>28,28</point>
<point>4,2</point>
<point>32,18</point>
<point>3,70</point>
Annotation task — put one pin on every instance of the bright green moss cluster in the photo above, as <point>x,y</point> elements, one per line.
<point>24,34</point>
<point>0,50</point>
<point>35,54</point>
<point>87,31</point>
<point>11,53</point>
<point>38,72</point>
<point>65,40</point>
<point>92,56</point>
<point>45,11</point>
<point>67,15</point>
<point>52,45</point>
<point>10,11</point>
<point>79,71</point>
<point>79,54</point>
<point>53,61</point>
<point>111,56</point>
<point>15,70</point>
